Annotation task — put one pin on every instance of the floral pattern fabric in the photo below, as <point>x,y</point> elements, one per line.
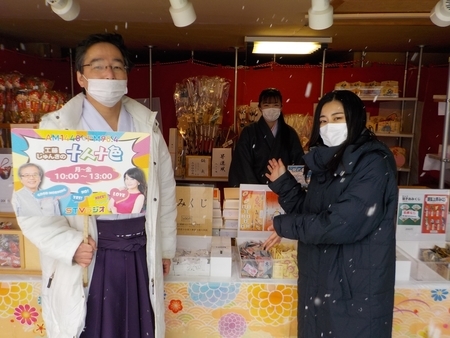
<point>234,310</point>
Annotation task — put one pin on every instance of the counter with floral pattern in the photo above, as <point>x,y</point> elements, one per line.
<point>234,309</point>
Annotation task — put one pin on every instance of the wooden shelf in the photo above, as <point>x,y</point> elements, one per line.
<point>386,98</point>
<point>439,98</point>
<point>394,135</point>
<point>202,179</point>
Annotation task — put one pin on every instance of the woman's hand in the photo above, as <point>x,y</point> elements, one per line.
<point>273,239</point>
<point>276,169</point>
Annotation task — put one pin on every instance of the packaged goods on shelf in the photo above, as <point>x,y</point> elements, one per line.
<point>373,88</point>
<point>438,259</point>
<point>280,262</point>
<point>24,99</point>
<point>399,155</point>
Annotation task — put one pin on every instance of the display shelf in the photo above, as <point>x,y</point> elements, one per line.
<point>404,169</point>
<point>201,179</point>
<point>407,106</point>
<point>386,98</point>
<point>445,133</point>
<point>394,135</point>
<point>29,254</point>
<point>439,98</point>
<point>5,131</point>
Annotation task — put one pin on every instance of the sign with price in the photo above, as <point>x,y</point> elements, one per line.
<point>74,172</point>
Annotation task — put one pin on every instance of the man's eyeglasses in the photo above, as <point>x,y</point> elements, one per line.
<point>29,175</point>
<point>100,67</point>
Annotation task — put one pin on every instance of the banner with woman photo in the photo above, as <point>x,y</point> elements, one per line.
<point>75,172</point>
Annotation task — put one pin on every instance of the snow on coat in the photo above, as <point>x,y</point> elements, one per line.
<point>345,227</point>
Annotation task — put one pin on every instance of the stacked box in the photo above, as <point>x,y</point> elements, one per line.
<point>221,257</point>
<point>217,221</point>
<point>230,212</point>
<point>193,256</point>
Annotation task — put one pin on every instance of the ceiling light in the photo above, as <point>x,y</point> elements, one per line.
<point>320,15</point>
<point>182,12</point>
<point>440,14</point>
<point>66,9</point>
<point>286,45</point>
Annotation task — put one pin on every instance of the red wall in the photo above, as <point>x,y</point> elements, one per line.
<point>291,80</point>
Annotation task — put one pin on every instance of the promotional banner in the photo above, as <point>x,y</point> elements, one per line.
<point>422,214</point>
<point>73,172</point>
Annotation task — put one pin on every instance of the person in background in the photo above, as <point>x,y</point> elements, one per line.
<point>135,188</point>
<point>126,255</point>
<point>269,137</point>
<point>24,200</point>
<point>344,224</point>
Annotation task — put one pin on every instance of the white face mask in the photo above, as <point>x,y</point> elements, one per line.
<point>334,134</point>
<point>106,92</point>
<point>271,114</point>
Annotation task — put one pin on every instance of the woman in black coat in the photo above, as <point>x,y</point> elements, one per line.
<point>344,224</point>
<point>269,137</point>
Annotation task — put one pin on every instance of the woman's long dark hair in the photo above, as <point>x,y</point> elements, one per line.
<point>355,116</point>
<point>139,176</point>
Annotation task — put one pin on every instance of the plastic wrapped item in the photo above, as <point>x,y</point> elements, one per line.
<point>255,261</point>
<point>24,99</point>
<point>199,104</point>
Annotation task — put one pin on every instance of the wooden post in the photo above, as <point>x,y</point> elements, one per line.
<point>85,240</point>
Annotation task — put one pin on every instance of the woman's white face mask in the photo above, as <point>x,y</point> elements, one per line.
<point>334,134</point>
<point>271,114</point>
<point>106,92</point>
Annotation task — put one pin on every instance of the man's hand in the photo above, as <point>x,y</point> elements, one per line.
<point>166,266</point>
<point>85,252</point>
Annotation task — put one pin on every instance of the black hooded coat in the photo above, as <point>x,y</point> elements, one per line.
<point>345,227</point>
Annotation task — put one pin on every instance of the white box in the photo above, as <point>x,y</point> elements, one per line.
<point>402,266</point>
<point>192,265</point>
<point>216,232</point>
<point>221,257</point>
<point>216,204</point>
<point>221,160</point>
<point>217,222</point>
<point>231,223</point>
<point>230,213</point>
<point>231,204</point>
<point>228,233</point>
<point>217,213</point>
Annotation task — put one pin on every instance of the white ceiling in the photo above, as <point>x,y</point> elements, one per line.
<point>222,25</point>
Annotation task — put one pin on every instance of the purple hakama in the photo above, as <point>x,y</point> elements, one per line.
<point>119,305</point>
